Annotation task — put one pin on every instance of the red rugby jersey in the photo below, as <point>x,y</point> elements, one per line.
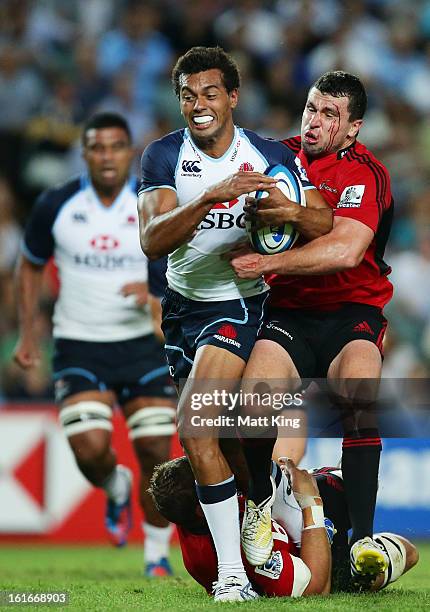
<point>283,575</point>
<point>356,185</point>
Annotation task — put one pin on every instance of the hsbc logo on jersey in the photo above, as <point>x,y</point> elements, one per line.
<point>222,221</point>
<point>351,196</point>
<point>225,205</point>
<point>104,242</point>
<point>191,167</point>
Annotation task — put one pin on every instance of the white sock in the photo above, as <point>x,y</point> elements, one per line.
<point>157,542</point>
<point>223,520</point>
<point>285,510</point>
<point>118,484</point>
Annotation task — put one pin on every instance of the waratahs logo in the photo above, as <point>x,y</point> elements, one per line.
<point>227,334</point>
<point>246,167</point>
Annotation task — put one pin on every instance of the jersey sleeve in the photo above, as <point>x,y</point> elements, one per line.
<point>38,244</point>
<point>302,577</point>
<point>284,574</point>
<point>158,166</point>
<point>157,282</point>
<point>364,194</point>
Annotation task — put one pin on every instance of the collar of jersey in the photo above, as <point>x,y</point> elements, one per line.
<point>215,159</point>
<point>86,183</point>
<point>337,155</point>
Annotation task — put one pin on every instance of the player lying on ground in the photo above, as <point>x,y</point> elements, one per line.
<point>300,561</point>
<point>290,570</point>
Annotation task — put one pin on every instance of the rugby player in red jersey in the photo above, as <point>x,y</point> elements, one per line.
<point>298,565</point>
<point>325,316</point>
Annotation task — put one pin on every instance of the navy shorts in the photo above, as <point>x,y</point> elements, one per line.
<point>188,324</point>
<point>313,339</point>
<point>130,368</point>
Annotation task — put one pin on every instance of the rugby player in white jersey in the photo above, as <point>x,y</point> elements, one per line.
<point>105,350</point>
<point>194,184</point>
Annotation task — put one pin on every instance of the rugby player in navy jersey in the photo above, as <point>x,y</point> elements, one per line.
<point>105,350</point>
<point>194,183</point>
<point>327,296</point>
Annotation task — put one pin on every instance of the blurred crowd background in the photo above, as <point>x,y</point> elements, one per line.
<point>62,60</point>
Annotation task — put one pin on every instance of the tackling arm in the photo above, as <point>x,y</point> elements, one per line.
<point>342,249</point>
<point>315,548</point>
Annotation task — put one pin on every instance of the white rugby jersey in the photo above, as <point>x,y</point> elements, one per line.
<point>97,251</point>
<point>196,269</point>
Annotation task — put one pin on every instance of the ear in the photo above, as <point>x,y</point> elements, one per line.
<point>355,128</point>
<point>234,98</point>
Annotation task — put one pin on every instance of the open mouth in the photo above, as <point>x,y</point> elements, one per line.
<point>108,172</point>
<point>203,121</point>
<point>310,138</point>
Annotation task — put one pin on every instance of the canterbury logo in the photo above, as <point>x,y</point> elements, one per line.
<point>190,166</point>
<point>364,327</point>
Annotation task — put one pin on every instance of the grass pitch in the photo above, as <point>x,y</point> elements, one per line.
<point>101,578</point>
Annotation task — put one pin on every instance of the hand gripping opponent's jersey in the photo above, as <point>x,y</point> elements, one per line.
<point>97,251</point>
<point>197,269</point>
<point>356,185</point>
<point>283,575</point>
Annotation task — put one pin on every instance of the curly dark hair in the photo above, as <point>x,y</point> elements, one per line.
<point>173,489</point>
<point>339,84</point>
<point>200,59</point>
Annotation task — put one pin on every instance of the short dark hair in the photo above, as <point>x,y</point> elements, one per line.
<point>105,120</point>
<point>173,489</point>
<point>200,59</point>
<point>338,83</point>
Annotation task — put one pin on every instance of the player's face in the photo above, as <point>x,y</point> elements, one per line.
<point>108,154</point>
<point>326,126</point>
<point>206,105</point>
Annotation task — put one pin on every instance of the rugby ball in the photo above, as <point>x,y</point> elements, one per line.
<point>278,238</point>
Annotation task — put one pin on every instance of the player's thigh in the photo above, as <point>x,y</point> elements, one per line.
<point>284,348</point>
<point>145,392</point>
<point>216,372</point>
<point>84,398</point>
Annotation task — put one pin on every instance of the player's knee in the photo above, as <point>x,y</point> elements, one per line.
<point>151,422</point>
<point>85,416</point>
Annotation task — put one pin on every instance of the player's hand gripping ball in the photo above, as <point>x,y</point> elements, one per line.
<point>277,238</point>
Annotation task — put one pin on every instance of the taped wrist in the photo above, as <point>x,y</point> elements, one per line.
<point>312,510</point>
